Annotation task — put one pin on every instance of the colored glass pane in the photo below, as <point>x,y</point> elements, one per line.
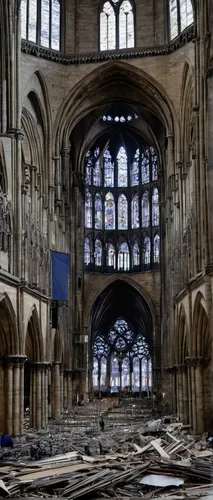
<point>98,252</point>
<point>108,169</point>
<point>146,251</point>
<point>109,211</point>
<point>107,28</point>
<point>98,211</point>
<point>45,22</point>
<point>156,245</point>
<point>122,167</point>
<point>135,212</point>
<point>136,255</point>
<point>97,168</point>
<point>123,257</point>
<point>145,167</point>
<point>111,257</point>
<point>24,19</point>
<point>145,210</point>
<point>173,12</point>
<point>32,24</point>
<point>155,208</point>
<point>154,162</point>
<point>55,25</point>
<point>88,209</point>
<point>135,169</point>
<point>88,168</point>
<point>186,14</point>
<point>87,252</point>
<point>126,26</point>
<point>122,212</point>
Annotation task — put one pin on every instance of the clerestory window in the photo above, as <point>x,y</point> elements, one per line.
<point>40,22</point>
<point>122,220</point>
<point>117,25</point>
<point>180,16</point>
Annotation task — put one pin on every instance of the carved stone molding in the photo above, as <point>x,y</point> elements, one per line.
<point>37,51</point>
<point>198,361</point>
<point>16,360</point>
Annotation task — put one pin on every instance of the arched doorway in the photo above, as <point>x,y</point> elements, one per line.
<point>35,374</point>
<point>122,342</point>
<point>11,371</point>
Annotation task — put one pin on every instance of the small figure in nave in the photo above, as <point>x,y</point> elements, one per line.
<point>102,424</point>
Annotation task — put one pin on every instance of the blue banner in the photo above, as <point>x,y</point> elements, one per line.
<point>60,275</point>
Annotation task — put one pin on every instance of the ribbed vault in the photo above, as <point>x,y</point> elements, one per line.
<point>121,300</point>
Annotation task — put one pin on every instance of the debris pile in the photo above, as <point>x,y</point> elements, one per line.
<point>135,457</point>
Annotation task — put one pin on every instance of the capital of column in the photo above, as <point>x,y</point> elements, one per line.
<point>40,365</point>
<point>198,361</point>
<point>16,360</point>
<point>171,369</point>
<point>65,152</point>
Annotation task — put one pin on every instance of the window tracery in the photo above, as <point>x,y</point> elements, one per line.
<point>124,352</point>
<point>121,219</point>
<point>117,29</point>
<point>40,22</point>
<point>180,16</point>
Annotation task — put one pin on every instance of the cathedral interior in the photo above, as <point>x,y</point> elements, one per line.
<point>106,156</point>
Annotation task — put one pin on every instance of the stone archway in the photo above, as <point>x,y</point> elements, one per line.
<point>36,374</point>
<point>134,308</point>
<point>201,374</point>
<point>183,381</point>
<point>11,371</point>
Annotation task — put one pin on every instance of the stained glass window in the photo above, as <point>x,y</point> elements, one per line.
<point>156,252</point>
<point>97,168</point>
<point>154,163</point>
<point>135,212</point>
<point>98,253</point>
<point>87,251</point>
<point>136,255</point>
<point>88,209</point>
<point>145,210</point>
<point>88,168</point>
<point>111,256</point>
<point>126,26</point>
<point>122,167</point>
<point>135,169</point>
<point>109,211</point>
<point>98,211</point>
<point>146,251</point>
<point>122,212</point>
<point>117,15</point>
<point>107,28</point>
<point>145,167</point>
<point>40,22</point>
<point>181,16</point>
<point>108,169</point>
<point>155,208</point>
<point>123,257</point>
<point>55,25</point>
<point>24,19</point>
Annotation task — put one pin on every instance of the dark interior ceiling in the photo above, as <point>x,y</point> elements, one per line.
<point>121,300</point>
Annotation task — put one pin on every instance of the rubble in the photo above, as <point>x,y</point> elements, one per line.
<point>141,457</point>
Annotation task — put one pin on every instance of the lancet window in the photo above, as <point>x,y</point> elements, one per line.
<point>40,22</point>
<point>117,30</point>
<point>180,16</point>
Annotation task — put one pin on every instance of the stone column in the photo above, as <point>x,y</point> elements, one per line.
<point>62,390</point>
<point>38,396</point>
<point>9,402</point>
<point>199,395</point>
<point>2,395</point>
<point>16,398</point>
<point>43,397</point>
<point>69,389</point>
<point>56,389</point>
<point>22,361</point>
<point>185,395</point>
<point>180,391</point>
<point>65,390</point>
<point>108,375</point>
<point>50,393</point>
<point>131,374</point>
<point>140,377</point>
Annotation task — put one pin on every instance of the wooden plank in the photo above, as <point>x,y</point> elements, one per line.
<point>159,449</point>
